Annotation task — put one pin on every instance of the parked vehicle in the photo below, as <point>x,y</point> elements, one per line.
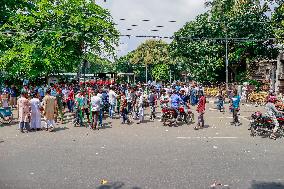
<point>262,125</point>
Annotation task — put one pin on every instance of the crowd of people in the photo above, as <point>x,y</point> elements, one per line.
<point>92,103</point>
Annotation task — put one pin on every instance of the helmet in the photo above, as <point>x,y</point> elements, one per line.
<point>272,99</point>
<point>258,114</point>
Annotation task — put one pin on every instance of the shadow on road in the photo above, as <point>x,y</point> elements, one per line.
<point>116,185</point>
<point>106,126</point>
<point>266,185</point>
<point>60,129</point>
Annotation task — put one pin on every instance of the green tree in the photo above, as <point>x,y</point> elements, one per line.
<point>201,42</point>
<point>156,56</point>
<point>50,36</point>
<point>278,18</point>
<point>99,65</point>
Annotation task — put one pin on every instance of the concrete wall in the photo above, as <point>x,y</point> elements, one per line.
<point>279,83</point>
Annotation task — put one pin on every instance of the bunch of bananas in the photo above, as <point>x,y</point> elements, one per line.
<point>258,97</point>
<point>213,91</point>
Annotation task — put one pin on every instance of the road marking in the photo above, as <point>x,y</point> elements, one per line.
<point>222,117</point>
<point>207,137</point>
<point>225,137</point>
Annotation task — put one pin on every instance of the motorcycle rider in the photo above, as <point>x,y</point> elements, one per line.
<point>271,112</point>
<point>175,102</point>
<point>185,99</point>
<point>164,100</point>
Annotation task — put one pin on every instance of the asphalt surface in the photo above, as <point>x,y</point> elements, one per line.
<point>142,156</point>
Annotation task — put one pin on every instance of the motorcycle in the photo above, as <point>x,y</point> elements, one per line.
<point>187,117</point>
<point>263,125</point>
<point>169,115</point>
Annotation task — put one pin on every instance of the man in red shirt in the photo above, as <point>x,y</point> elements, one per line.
<point>201,110</point>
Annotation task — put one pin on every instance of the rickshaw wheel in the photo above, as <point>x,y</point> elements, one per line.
<point>2,120</point>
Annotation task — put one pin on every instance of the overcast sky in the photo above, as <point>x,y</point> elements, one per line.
<point>159,12</point>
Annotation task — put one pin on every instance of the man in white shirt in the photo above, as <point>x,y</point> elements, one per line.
<point>35,112</point>
<point>96,105</point>
<point>112,101</point>
<point>140,102</point>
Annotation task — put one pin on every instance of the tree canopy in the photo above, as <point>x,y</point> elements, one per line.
<point>246,25</point>
<point>156,56</point>
<point>49,36</point>
<point>278,21</point>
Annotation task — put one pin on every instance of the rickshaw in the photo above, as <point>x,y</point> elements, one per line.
<point>6,115</point>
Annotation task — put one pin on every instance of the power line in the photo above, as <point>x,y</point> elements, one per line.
<point>149,36</point>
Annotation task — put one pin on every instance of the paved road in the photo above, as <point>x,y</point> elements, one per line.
<point>142,156</point>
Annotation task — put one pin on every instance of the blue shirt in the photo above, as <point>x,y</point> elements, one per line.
<point>184,98</point>
<point>236,101</point>
<point>41,91</point>
<point>178,88</point>
<point>193,92</point>
<point>53,92</point>
<point>175,100</point>
<point>13,92</point>
<point>105,98</point>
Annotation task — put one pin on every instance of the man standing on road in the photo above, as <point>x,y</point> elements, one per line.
<point>193,95</point>
<point>79,103</point>
<point>96,106</point>
<point>152,98</point>
<point>49,106</point>
<point>35,112</point>
<point>123,108</point>
<point>235,105</point>
<point>112,100</point>
<point>59,99</point>
<point>140,105</point>
<point>23,105</point>
<point>13,96</point>
<point>201,111</point>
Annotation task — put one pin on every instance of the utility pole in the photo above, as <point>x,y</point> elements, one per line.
<point>227,65</point>
<point>146,65</point>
